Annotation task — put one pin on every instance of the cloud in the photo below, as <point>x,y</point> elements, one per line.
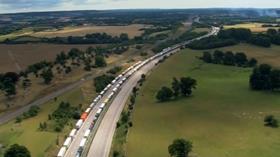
<point>18,4</point>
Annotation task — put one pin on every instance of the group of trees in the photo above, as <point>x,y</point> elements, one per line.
<point>8,83</point>
<point>63,114</point>
<point>229,58</point>
<point>211,42</point>
<point>265,78</point>
<point>227,37</point>
<point>32,112</point>
<point>271,36</point>
<point>184,86</point>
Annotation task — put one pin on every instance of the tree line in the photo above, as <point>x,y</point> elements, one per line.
<point>94,38</point>
<point>228,58</point>
<point>233,36</point>
<point>183,87</point>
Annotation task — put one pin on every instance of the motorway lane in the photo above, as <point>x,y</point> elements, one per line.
<point>73,148</point>
<point>101,144</point>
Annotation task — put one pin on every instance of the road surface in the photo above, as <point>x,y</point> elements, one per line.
<point>101,144</point>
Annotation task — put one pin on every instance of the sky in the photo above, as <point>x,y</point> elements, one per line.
<point>11,6</point>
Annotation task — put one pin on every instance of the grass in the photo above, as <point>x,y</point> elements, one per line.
<point>254,27</point>
<point>40,143</point>
<point>223,118</point>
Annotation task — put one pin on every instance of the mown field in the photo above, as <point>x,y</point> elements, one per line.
<point>16,57</point>
<point>41,143</point>
<point>263,55</point>
<point>223,118</point>
<point>132,31</point>
<point>254,27</point>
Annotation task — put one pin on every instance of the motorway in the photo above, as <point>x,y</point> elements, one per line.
<point>101,144</point>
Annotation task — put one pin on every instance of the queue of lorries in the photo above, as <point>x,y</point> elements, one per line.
<point>116,87</point>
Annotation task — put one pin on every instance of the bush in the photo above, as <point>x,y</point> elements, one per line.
<point>17,151</point>
<point>115,70</point>
<point>270,121</point>
<point>101,82</point>
<point>164,94</point>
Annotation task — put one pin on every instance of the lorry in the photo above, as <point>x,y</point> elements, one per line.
<point>81,146</point>
<point>67,142</point>
<point>73,133</point>
<point>102,106</point>
<point>87,133</point>
<point>84,116</point>
<point>98,112</point>
<point>61,152</point>
<point>79,124</point>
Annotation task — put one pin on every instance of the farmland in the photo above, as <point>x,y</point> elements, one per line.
<point>38,89</point>
<point>27,54</point>
<point>263,55</point>
<point>222,118</point>
<point>132,31</point>
<point>254,27</point>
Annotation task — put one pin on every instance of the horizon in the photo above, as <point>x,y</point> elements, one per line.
<point>127,9</point>
<point>25,6</point>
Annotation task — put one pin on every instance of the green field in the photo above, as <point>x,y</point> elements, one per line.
<point>26,133</point>
<point>223,118</point>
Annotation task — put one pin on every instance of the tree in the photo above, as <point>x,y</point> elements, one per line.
<point>100,61</point>
<point>187,84</point>
<point>207,57</point>
<point>270,121</point>
<point>260,79</point>
<point>180,148</point>
<point>275,79</point>
<point>241,59</point>
<point>17,151</point>
<point>10,89</point>
<point>176,87</point>
<point>229,58</point>
<point>252,62</point>
<point>164,94</point>
<point>47,75</point>
<point>218,57</point>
